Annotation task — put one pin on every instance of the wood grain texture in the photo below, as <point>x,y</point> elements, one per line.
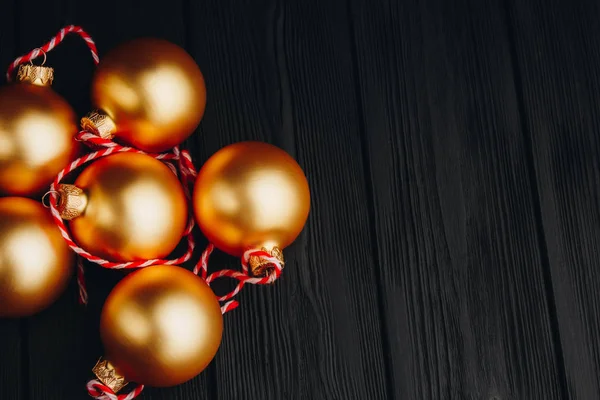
<point>13,375</point>
<point>557,53</point>
<point>338,262</point>
<point>453,158</point>
<point>461,270</point>
<point>315,334</point>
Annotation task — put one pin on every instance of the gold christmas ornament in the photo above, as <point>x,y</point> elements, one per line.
<point>160,326</point>
<point>150,94</point>
<point>36,132</point>
<point>251,195</point>
<point>35,262</point>
<point>125,207</point>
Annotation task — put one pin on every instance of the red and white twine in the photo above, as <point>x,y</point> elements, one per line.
<point>55,41</point>
<point>100,391</point>
<point>244,276</point>
<point>186,172</point>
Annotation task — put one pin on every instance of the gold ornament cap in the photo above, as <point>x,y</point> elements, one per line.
<point>35,74</point>
<point>72,201</point>
<point>106,373</point>
<point>99,124</point>
<point>263,267</point>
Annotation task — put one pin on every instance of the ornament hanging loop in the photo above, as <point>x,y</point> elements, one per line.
<point>46,200</point>
<point>36,54</point>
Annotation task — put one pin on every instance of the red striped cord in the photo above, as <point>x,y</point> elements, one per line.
<point>55,41</point>
<point>243,277</point>
<point>186,174</point>
<point>100,391</point>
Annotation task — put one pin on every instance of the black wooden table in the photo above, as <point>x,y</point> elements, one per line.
<point>452,149</point>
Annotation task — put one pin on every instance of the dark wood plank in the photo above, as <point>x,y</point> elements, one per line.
<point>460,267</point>
<point>13,373</point>
<point>227,39</point>
<point>557,56</point>
<point>320,108</point>
<point>272,73</point>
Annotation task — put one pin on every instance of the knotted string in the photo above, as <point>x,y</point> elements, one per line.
<point>243,277</point>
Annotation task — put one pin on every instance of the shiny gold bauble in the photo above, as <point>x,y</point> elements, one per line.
<point>36,135</point>
<point>35,261</point>
<point>251,195</point>
<point>153,91</point>
<point>125,207</point>
<point>161,326</point>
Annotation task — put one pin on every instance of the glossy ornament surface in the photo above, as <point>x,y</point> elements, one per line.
<point>153,93</point>
<point>125,207</point>
<point>251,195</point>
<point>36,133</point>
<point>35,262</point>
<point>161,326</point>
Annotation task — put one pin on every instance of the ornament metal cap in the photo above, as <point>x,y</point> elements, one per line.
<point>72,201</point>
<point>99,124</point>
<point>262,267</point>
<point>35,74</point>
<point>106,373</point>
